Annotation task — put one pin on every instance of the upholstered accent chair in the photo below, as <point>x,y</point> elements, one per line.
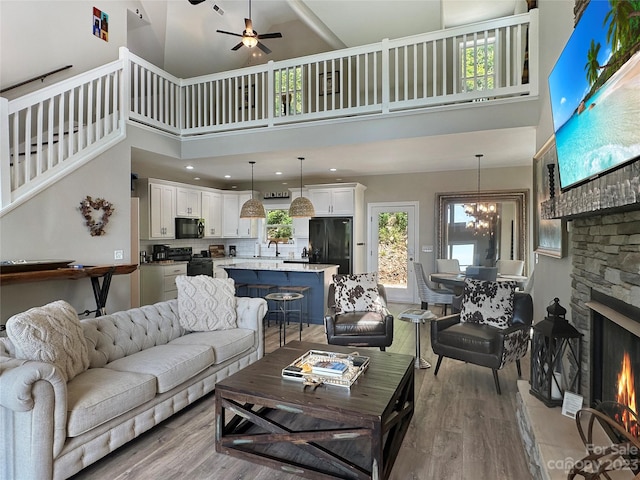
<point>493,343</point>
<point>359,328</point>
<point>427,294</point>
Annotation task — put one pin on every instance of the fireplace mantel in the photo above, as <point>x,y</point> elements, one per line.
<point>616,317</point>
<point>613,192</point>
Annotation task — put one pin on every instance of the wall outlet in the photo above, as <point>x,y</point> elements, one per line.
<point>118,254</point>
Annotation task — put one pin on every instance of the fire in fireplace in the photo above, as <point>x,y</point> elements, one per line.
<point>626,395</point>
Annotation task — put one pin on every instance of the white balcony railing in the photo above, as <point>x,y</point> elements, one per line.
<point>46,132</point>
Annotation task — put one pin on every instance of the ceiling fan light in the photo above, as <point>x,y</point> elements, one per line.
<point>249,41</point>
<point>302,207</point>
<point>252,208</point>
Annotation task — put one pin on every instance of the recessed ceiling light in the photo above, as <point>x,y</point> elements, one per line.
<point>196,178</point>
<point>234,186</point>
<point>189,167</point>
<point>332,169</point>
<point>227,176</point>
<point>278,173</point>
<point>284,183</point>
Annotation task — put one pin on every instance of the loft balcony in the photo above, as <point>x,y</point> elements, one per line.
<point>45,134</point>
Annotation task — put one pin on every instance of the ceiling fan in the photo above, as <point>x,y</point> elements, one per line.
<point>251,38</point>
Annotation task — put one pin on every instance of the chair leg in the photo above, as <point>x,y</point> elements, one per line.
<point>383,349</point>
<point>435,372</point>
<point>496,381</point>
<point>519,369</point>
<point>445,309</point>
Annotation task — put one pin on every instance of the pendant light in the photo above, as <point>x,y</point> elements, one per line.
<point>482,215</point>
<point>301,206</point>
<point>252,208</point>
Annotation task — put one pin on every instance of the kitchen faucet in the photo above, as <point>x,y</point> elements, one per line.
<point>269,245</point>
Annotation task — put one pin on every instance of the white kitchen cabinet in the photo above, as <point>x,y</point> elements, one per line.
<point>158,281</point>
<point>333,201</point>
<point>247,227</point>
<point>157,210</point>
<point>187,202</point>
<point>212,213</point>
<point>300,225</point>
<point>232,225</point>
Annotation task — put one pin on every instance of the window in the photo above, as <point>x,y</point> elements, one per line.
<point>288,89</point>
<point>477,58</point>
<point>464,252</point>
<point>278,225</point>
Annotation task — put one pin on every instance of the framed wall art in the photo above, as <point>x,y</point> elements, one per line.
<point>332,83</point>
<point>549,235</point>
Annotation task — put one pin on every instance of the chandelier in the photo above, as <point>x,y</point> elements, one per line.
<point>482,215</point>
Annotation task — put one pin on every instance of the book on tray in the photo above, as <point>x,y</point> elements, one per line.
<point>328,367</point>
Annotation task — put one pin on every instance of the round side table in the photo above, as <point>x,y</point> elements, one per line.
<point>282,299</point>
<point>418,317</point>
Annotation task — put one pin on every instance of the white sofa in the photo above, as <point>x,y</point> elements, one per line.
<point>143,368</point>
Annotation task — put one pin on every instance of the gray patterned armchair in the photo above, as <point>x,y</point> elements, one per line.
<point>492,346</point>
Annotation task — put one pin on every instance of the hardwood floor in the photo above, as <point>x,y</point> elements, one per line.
<point>461,428</point>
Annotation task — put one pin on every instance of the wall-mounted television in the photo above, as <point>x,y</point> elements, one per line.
<point>594,89</point>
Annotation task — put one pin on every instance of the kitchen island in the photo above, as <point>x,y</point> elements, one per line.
<point>317,277</point>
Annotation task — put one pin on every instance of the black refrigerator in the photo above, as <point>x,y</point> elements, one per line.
<point>331,242</point>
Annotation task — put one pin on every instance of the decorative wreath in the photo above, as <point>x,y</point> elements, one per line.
<point>87,206</point>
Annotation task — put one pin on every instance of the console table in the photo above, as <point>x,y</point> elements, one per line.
<point>95,273</point>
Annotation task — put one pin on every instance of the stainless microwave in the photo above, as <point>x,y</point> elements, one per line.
<point>189,228</point>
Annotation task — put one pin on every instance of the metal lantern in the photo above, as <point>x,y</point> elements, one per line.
<point>555,357</point>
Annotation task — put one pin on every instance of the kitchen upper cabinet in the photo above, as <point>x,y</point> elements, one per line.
<point>232,225</point>
<point>157,209</point>
<point>230,215</point>
<point>187,202</point>
<point>300,225</point>
<point>329,200</point>
<point>247,227</point>
<point>212,213</point>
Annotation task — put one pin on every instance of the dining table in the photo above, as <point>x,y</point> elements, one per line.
<point>455,281</point>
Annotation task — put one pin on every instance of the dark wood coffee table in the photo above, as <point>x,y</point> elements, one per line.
<point>327,432</point>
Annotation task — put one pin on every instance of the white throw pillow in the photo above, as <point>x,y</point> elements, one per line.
<point>488,303</point>
<point>206,303</point>
<point>53,334</point>
<point>357,293</point>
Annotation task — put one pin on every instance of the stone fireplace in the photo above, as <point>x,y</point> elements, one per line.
<point>606,297</point>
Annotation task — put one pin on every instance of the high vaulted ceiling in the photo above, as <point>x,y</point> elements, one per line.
<point>192,47</point>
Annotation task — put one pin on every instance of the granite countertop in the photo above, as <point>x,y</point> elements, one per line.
<point>281,266</point>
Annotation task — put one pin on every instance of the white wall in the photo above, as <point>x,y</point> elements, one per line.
<point>39,36</point>
<point>50,226</point>
<point>552,275</point>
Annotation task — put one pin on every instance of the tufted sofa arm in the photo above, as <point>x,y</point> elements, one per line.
<point>250,312</point>
<point>33,409</point>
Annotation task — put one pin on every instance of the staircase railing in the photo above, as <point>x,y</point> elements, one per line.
<point>45,133</point>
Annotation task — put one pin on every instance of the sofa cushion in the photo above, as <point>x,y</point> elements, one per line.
<point>170,364</point>
<point>53,334</point>
<point>226,344</point>
<point>357,293</point>
<point>99,394</point>
<point>470,337</point>
<point>206,303</point>
<point>488,303</point>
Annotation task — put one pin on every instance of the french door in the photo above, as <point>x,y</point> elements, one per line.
<point>392,243</point>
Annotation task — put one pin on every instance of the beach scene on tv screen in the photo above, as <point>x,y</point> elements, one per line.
<point>595,92</point>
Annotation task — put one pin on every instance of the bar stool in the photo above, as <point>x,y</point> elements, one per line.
<point>261,290</point>
<point>303,301</point>
<point>241,290</point>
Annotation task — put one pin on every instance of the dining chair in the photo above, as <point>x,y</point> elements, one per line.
<point>438,296</point>
<point>447,265</point>
<point>510,267</point>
